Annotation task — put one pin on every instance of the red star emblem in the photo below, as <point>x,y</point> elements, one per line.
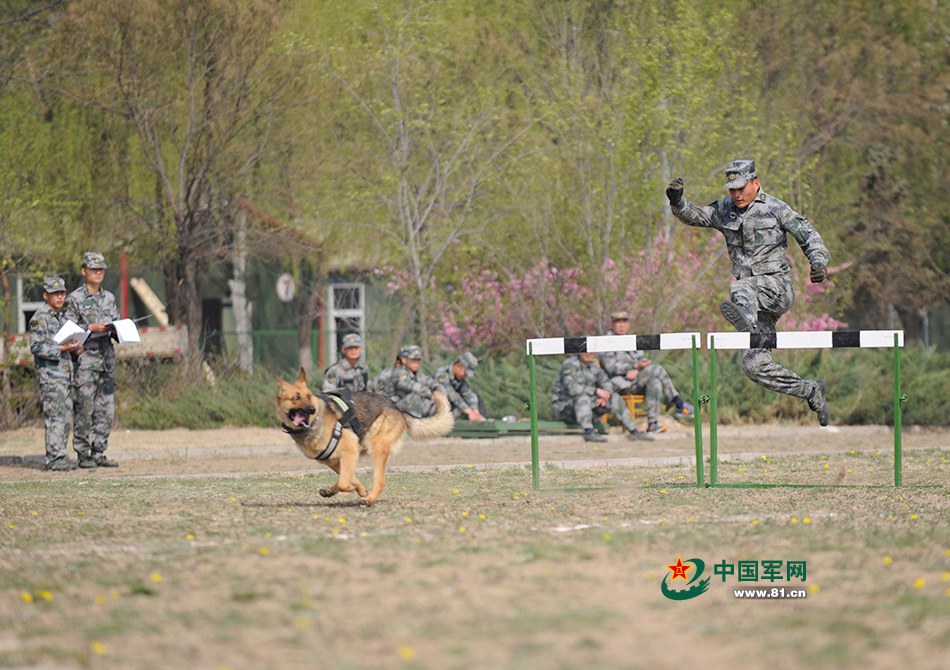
<point>679,569</point>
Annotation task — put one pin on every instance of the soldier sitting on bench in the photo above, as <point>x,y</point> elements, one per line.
<point>582,390</point>
<point>633,373</point>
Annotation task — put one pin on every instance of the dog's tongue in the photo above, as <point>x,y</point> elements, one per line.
<point>299,419</point>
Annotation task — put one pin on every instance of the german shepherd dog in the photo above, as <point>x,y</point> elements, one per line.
<point>323,429</point>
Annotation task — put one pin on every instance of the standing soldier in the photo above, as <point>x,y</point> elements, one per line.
<point>466,404</point>
<point>583,389</point>
<point>411,388</point>
<point>94,309</point>
<point>350,371</point>
<point>756,225</point>
<point>54,371</point>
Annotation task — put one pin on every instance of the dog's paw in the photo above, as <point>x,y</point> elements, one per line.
<point>326,493</point>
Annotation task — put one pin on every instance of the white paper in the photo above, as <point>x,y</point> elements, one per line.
<point>70,332</point>
<point>126,331</point>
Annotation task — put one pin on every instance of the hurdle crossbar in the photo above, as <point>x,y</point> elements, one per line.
<point>605,343</point>
<point>863,339</point>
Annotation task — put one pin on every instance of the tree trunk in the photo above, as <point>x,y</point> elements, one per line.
<point>309,305</point>
<point>239,303</point>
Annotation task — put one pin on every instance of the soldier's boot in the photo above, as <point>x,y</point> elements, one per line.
<point>87,461</point>
<point>590,435</point>
<point>734,315</point>
<point>818,402</point>
<point>60,465</point>
<point>655,427</point>
<point>639,436</point>
<point>103,461</point>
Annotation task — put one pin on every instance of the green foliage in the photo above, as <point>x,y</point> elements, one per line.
<point>160,396</point>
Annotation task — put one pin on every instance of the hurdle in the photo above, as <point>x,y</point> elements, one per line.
<point>605,343</point>
<point>821,339</point>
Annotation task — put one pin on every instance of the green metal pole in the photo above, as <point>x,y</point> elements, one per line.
<point>713,413</point>
<point>898,455</point>
<point>697,419</point>
<point>533,400</point>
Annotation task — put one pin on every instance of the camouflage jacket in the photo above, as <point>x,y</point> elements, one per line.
<point>383,382</point>
<point>757,237</point>
<point>619,363</point>
<point>85,309</point>
<point>47,354</point>
<point>343,375</point>
<point>576,379</point>
<point>405,382</point>
<point>460,394</point>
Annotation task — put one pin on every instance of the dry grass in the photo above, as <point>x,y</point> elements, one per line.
<point>200,562</point>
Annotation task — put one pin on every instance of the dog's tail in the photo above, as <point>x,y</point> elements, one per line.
<point>438,424</point>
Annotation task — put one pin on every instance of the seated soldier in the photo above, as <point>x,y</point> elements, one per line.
<point>466,404</point>
<point>411,388</point>
<point>383,382</point>
<point>632,372</point>
<point>582,390</point>
<point>350,371</point>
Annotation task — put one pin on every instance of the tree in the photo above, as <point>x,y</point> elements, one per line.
<point>439,140</point>
<point>201,86</point>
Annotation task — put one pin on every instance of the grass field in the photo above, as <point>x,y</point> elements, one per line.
<point>227,559</point>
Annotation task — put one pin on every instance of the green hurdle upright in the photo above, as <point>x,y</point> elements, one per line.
<point>804,340</point>
<point>604,343</point>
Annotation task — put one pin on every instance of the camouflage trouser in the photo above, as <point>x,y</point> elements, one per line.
<point>93,409</point>
<point>653,383</point>
<point>763,300</point>
<point>57,411</point>
<point>417,405</point>
<point>581,409</point>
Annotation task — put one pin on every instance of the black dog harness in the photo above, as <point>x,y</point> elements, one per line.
<point>342,400</point>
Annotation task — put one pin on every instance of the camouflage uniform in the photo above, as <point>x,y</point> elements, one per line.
<point>460,394</point>
<point>94,374</point>
<point>342,375</point>
<point>54,374</point>
<point>757,242</point>
<point>653,382</point>
<point>412,391</point>
<point>383,382</point>
<point>575,392</point>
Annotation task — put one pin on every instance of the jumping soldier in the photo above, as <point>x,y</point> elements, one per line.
<point>756,226</point>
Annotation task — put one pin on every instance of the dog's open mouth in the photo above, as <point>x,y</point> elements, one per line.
<point>299,418</point>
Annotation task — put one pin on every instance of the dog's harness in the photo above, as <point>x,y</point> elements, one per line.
<point>341,399</point>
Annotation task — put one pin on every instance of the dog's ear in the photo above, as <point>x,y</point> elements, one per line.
<point>281,383</point>
<point>302,377</point>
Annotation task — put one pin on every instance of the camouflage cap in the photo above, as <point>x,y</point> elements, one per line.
<point>54,285</point>
<point>620,315</point>
<point>468,361</point>
<point>94,261</point>
<point>739,173</point>
<point>412,352</point>
<point>352,340</point>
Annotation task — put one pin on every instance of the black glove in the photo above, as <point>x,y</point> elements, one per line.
<point>818,274</point>
<point>674,192</point>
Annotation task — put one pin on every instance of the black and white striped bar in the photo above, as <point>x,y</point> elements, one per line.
<point>818,339</point>
<point>602,343</point>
